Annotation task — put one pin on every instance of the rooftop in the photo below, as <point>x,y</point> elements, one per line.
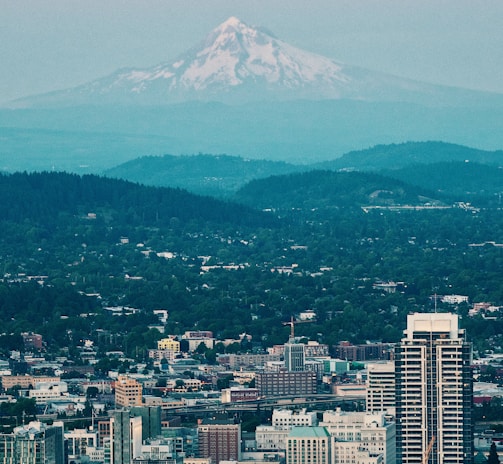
<point>308,432</point>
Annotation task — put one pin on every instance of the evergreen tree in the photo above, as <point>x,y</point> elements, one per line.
<point>493,455</point>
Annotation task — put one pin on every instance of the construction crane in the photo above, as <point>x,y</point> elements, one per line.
<point>293,322</point>
<point>427,453</point>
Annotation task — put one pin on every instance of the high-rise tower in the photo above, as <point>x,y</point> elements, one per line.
<point>294,357</point>
<point>433,391</point>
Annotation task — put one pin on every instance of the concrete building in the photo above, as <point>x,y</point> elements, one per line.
<point>33,443</point>
<point>150,420</point>
<point>274,437</point>
<point>271,437</point>
<point>162,354</point>
<point>294,357</point>
<point>79,441</point>
<point>128,392</point>
<point>294,418</point>
<point>32,341</point>
<point>308,445</point>
<point>434,391</point>
<point>169,344</point>
<point>44,392</point>
<point>360,433</point>
<point>27,381</point>
<point>219,439</point>
<point>125,437</point>
<point>351,452</point>
<point>235,394</point>
<point>314,349</point>
<point>381,387</point>
<point>236,361</point>
<point>364,352</point>
<point>195,337</point>
<point>159,451</point>
<point>283,383</point>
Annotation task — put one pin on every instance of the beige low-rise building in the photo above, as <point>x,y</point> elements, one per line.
<point>26,381</point>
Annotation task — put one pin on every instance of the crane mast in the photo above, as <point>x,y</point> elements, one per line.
<point>427,453</point>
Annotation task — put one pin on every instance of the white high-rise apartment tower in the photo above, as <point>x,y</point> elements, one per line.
<point>433,391</point>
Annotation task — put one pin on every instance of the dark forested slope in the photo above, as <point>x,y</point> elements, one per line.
<point>317,189</point>
<point>45,197</point>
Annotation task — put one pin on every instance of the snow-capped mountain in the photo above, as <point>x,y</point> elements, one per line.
<point>238,63</point>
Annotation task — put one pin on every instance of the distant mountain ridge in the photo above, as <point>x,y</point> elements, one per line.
<point>239,63</point>
<point>443,167</point>
<point>399,155</point>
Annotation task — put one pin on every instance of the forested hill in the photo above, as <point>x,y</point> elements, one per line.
<point>222,175</point>
<point>207,174</point>
<point>318,189</point>
<point>47,198</point>
<point>467,180</point>
<point>396,156</point>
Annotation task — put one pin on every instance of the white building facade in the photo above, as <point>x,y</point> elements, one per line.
<point>433,391</point>
<point>369,436</point>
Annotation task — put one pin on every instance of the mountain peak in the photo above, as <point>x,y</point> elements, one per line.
<point>232,23</point>
<point>238,63</point>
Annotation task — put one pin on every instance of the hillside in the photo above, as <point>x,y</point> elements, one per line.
<point>329,189</point>
<point>71,245</point>
<point>423,164</point>
<point>203,174</point>
<point>396,156</point>
<point>47,198</point>
<point>468,180</point>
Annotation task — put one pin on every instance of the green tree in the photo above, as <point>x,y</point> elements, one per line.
<point>493,455</point>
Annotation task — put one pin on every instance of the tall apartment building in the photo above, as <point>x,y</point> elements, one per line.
<point>219,439</point>
<point>433,391</point>
<point>308,445</point>
<point>128,392</point>
<point>381,387</point>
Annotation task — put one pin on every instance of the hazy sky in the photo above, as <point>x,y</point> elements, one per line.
<point>53,44</point>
